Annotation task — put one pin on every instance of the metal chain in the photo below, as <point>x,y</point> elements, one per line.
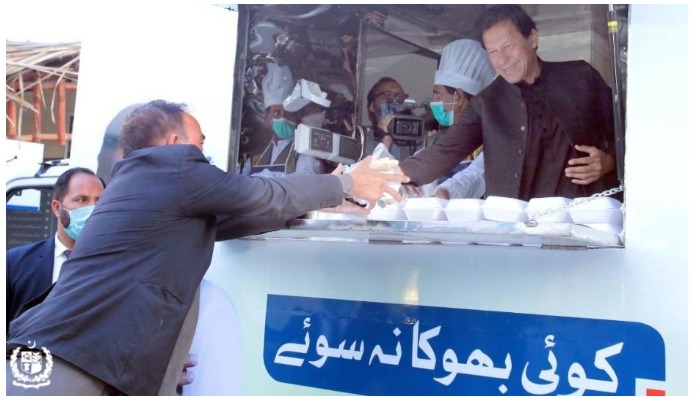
<point>531,223</point>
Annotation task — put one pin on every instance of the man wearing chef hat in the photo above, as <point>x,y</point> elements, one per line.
<point>279,158</point>
<point>463,71</point>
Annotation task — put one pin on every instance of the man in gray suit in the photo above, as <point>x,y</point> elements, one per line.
<point>116,313</point>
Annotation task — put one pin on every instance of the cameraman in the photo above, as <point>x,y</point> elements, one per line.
<point>382,100</point>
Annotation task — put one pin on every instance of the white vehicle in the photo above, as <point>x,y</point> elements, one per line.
<point>375,307</point>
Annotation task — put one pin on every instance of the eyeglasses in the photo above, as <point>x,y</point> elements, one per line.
<point>389,95</point>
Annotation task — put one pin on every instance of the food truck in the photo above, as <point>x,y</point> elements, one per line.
<point>425,301</point>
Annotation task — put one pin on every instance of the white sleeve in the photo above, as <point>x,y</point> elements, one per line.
<point>468,183</point>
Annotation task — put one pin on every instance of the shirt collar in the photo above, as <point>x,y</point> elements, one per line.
<point>59,247</point>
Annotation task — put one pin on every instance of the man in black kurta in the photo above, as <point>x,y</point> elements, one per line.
<point>547,128</point>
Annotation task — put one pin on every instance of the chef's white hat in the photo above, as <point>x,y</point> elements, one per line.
<point>277,84</point>
<point>465,65</point>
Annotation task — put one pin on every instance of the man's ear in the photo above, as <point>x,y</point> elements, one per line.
<point>534,37</point>
<point>56,208</point>
<point>173,138</point>
<point>459,94</point>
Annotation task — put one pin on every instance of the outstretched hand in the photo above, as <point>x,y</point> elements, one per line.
<point>370,185</point>
<point>346,206</point>
<point>586,170</point>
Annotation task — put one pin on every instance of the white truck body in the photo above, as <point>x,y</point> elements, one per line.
<point>322,313</point>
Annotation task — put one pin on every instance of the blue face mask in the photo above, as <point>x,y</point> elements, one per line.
<point>384,110</point>
<point>444,118</point>
<point>78,217</point>
<point>283,128</point>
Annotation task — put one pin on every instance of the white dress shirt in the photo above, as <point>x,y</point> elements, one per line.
<point>59,257</point>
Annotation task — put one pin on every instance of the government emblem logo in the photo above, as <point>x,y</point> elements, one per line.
<point>31,368</point>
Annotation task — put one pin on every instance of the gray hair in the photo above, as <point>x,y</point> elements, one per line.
<point>150,122</point>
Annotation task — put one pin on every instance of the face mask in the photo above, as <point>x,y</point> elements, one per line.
<point>78,217</point>
<point>283,128</point>
<point>384,110</point>
<point>444,118</point>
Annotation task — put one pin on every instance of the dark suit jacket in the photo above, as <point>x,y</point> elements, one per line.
<point>497,118</point>
<point>118,306</point>
<point>28,273</point>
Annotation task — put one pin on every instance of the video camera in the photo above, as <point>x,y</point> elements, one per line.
<point>405,128</point>
<point>398,107</point>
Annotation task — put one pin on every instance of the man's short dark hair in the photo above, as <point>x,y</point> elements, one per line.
<point>60,188</point>
<point>505,12</point>
<point>150,122</point>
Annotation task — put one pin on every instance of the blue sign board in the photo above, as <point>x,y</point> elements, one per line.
<point>396,349</point>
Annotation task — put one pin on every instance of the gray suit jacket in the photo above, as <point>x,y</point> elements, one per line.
<point>497,118</point>
<point>118,306</point>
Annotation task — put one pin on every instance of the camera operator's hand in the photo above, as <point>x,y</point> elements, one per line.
<point>385,121</point>
<point>384,127</point>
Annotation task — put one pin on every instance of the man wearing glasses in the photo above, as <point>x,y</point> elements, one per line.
<point>381,101</point>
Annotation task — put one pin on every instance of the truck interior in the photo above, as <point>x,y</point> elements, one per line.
<point>346,49</point>
<point>340,51</point>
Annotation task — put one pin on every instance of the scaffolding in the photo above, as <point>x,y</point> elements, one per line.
<point>37,78</point>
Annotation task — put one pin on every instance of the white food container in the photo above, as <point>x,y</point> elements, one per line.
<point>610,228</point>
<point>392,212</point>
<point>542,204</point>
<point>464,210</point>
<point>504,209</point>
<point>425,209</point>
<point>386,165</point>
<point>601,210</point>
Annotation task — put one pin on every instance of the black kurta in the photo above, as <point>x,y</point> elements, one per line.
<point>521,159</point>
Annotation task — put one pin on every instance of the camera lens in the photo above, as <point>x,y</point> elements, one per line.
<point>407,127</point>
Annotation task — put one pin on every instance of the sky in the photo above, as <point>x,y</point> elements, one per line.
<point>43,21</point>
<point>59,20</point>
